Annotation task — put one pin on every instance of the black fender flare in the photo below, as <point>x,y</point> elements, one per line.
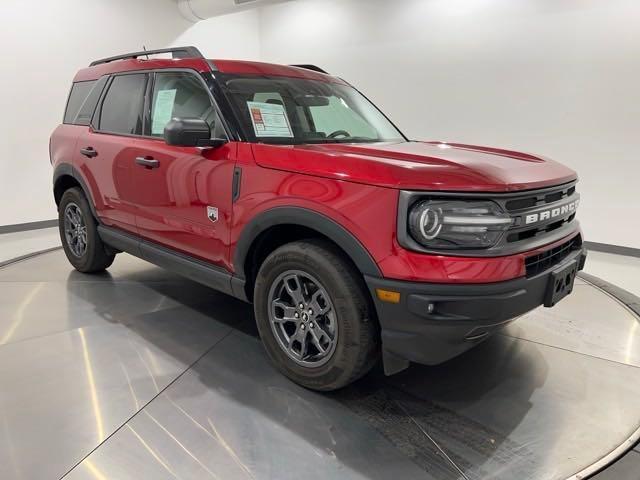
<point>66,169</point>
<point>310,219</point>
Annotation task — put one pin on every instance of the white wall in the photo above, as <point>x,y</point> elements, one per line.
<point>233,36</point>
<point>44,43</point>
<point>556,77</point>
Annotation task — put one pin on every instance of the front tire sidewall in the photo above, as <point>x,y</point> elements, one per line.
<point>340,367</point>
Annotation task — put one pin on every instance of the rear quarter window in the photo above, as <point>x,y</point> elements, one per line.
<point>82,101</point>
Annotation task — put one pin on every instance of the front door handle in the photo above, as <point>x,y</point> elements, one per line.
<point>147,162</point>
<point>88,152</point>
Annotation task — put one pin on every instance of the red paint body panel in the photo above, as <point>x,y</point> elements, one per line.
<point>62,145</point>
<point>355,185</point>
<point>495,151</point>
<point>416,166</point>
<point>108,175</point>
<point>367,212</point>
<point>171,200</point>
<point>260,68</point>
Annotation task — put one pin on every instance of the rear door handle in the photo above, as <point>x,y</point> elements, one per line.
<point>88,152</point>
<point>147,162</point>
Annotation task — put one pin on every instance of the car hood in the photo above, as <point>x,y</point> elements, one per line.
<point>418,165</point>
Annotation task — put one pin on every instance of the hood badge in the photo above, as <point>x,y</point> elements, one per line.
<point>212,213</point>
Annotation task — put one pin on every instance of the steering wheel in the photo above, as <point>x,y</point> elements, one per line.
<point>339,133</point>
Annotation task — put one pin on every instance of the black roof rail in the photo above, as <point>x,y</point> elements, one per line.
<point>177,52</point>
<point>311,67</point>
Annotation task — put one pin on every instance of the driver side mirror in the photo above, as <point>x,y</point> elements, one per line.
<point>190,132</point>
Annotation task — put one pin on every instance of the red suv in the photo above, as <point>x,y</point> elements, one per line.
<point>284,186</point>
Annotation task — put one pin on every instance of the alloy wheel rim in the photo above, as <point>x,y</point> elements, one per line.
<point>75,230</point>
<point>303,318</point>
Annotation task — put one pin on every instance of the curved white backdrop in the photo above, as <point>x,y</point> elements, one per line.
<point>555,77</point>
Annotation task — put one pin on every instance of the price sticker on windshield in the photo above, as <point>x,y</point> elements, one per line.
<point>269,120</point>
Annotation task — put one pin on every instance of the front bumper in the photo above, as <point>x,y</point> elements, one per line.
<point>435,322</point>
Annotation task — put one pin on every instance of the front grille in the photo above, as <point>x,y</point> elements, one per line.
<point>538,217</point>
<point>521,207</point>
<point>539,198</point>
<point>536,264</point>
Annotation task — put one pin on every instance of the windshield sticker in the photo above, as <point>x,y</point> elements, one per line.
<point>162,110</point>
<point>269,120</point>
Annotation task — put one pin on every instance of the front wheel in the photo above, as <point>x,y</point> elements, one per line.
<point>314,315</point>
<point>79,234</point>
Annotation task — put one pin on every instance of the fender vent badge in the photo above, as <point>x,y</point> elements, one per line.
<point>212,213</point>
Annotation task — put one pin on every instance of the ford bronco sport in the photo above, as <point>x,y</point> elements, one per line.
<point>285,187</point>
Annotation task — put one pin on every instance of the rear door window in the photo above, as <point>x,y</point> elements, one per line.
<point>121,110</point>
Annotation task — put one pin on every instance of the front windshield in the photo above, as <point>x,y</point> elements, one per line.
<point>288,110</point>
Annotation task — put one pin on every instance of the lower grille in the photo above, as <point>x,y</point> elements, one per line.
<point>545,260</point>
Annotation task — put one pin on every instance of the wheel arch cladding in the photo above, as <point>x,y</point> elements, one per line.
<point>65,177</point>
<point>305,219</point>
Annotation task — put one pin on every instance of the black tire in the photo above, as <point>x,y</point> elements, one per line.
<point>95,257</point>
<point>356,347</point>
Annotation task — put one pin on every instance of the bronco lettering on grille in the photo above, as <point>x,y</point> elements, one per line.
<point>551,213</point>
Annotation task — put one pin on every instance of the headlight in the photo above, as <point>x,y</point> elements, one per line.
<point>443,224</point>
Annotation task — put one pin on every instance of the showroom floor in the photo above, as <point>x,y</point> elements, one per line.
<point>138,373</point>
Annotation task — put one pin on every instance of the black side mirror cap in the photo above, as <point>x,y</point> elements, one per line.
<point>214,142</point>
<point>190,132</point>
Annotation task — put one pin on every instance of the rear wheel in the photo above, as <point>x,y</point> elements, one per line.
<point>314,315</point>
<point>79,234</point>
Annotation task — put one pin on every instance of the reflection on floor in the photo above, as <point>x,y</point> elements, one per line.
<point>138,373</point>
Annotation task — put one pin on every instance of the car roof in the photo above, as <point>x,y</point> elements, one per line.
<point>202,65</point>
